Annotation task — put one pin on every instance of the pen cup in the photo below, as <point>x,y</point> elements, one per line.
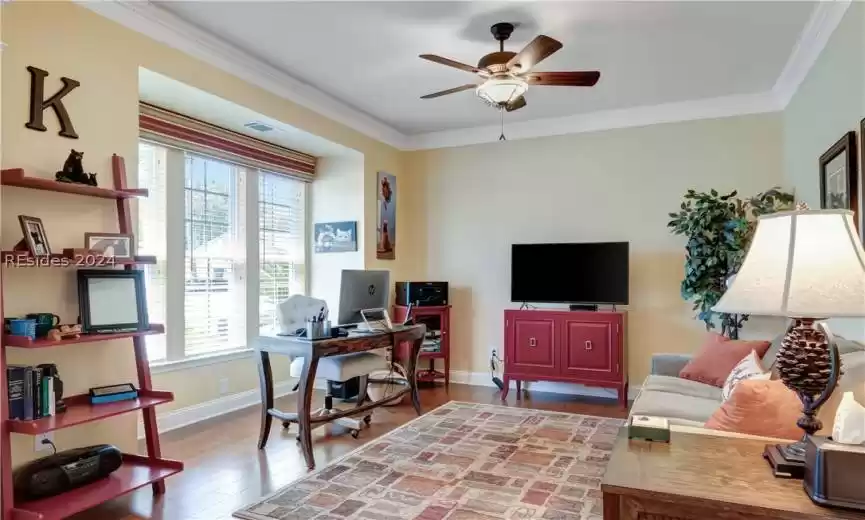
<point>317,329</point>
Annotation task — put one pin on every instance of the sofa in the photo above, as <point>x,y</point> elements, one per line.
<point>687,405</point>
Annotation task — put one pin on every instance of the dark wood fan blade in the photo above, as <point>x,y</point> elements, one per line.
<point>535,52</point>
<point>516,104</point>
<point>455,64</point>
<point>468,86</point>
<point>586,78</point>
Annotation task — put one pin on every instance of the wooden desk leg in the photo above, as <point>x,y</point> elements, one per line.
<point>304,408</point>
<point>611,506</point>
<point>265,384</point>
<point>412,374</point>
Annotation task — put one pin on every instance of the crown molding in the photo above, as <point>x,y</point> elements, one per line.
<point>166,27</point>
<point>824,20</point>
<point>725,106</point>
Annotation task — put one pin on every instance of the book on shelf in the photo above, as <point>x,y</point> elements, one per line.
<point>30,393</point>
<point>431,345</point>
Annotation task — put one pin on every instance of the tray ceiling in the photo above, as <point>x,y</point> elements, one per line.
<point>649,53</point>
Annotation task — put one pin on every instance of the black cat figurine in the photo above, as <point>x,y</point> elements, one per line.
<point>73,171</point>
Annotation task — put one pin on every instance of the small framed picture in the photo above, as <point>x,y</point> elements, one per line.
<point>34,235</point>
<point>116,245</point>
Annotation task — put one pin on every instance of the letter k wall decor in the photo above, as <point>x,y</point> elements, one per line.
<point>38,103</point>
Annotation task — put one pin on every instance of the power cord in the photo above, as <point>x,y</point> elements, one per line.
<point>494,362</point>
<point>53,447</point>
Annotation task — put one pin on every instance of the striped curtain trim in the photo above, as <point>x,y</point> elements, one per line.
<point>173,129</point>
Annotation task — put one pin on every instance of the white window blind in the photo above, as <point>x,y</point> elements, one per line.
<point>201,217</point>
<point>151,239</point>
<point>282,235</point>
<point>214,306</point>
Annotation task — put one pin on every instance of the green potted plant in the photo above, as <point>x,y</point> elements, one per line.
<point>719,229</point>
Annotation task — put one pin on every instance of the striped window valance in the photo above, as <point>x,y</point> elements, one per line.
<point>180,131</point>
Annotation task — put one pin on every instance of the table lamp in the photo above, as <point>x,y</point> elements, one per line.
<point>808,266</point>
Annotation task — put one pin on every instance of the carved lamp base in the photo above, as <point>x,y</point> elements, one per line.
<point>808,363</point>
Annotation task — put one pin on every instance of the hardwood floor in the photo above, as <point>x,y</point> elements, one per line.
<point>225,471</point>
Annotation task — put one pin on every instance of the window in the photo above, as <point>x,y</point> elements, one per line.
<point>281,242</point>
<point>201,219</point>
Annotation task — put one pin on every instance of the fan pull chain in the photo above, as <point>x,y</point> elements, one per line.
<point>502,137</point>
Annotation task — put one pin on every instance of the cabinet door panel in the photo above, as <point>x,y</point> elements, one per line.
<point>533,348</point>
<point>587,350</point>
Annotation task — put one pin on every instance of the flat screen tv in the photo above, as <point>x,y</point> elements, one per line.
<point>591,273</point>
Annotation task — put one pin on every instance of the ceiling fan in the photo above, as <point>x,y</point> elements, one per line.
<point>508,74</point>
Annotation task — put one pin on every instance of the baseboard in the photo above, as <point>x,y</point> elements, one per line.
<point>209,409</point>
<point>200,412</point>
<point>485,379</point>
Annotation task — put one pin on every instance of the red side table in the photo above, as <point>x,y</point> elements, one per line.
<point>437,321</point>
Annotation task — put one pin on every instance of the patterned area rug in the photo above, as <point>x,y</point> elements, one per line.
<point>462,461</point>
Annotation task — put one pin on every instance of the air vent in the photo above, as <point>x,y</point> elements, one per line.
<point>259,126</point>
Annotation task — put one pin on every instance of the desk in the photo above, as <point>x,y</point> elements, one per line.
<point>311,352</point>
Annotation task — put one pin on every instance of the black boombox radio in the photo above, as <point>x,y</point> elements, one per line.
<point>422,294</point>
<point>58,473</point>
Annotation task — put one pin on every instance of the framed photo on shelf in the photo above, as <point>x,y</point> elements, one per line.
<point>114,245</point>
<point>34,235</point>
<point>839,175</point>
<point>112,301</point>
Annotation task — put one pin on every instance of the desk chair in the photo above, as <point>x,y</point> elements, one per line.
<point>341,369</point>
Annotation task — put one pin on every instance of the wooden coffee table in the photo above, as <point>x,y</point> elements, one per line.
<point>701,477</point>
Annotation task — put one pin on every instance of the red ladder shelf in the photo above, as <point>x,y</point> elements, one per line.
<point>137,471</point>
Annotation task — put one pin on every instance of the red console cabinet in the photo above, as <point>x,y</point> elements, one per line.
<point>566,346</point>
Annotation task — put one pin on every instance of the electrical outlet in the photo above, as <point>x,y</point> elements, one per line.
<point>223,386</point>
<point>38,441</point>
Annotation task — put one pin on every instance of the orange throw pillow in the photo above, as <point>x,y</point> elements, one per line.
<point>765,408</point>
<point>718,357</point>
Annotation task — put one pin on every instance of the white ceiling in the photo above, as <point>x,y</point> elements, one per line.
<point>649,53</point>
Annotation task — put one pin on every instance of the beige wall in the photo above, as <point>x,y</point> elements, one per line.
<point>66,39</point>
<point>605,186</point>
<point>336,195</point>
<point>105,117</point>
<point>829,103</point>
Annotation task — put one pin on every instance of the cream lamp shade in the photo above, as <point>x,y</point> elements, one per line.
<point>801,264</point>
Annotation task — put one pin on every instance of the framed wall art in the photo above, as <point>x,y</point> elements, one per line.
<point>839,175</point>
<point>335,237</point>
<point>386,225</point>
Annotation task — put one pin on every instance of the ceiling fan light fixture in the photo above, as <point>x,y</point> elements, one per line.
<point>502,90</point>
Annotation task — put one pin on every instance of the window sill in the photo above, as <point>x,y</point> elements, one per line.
<point>161,367</point>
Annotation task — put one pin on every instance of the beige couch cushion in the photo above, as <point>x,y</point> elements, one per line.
<point>681,409</point>
<point>677,385</point>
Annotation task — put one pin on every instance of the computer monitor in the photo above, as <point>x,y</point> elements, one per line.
<point>361,290</point>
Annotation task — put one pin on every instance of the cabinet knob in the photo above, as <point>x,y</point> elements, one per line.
<point>533,342</point>
<point>588,345</point>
